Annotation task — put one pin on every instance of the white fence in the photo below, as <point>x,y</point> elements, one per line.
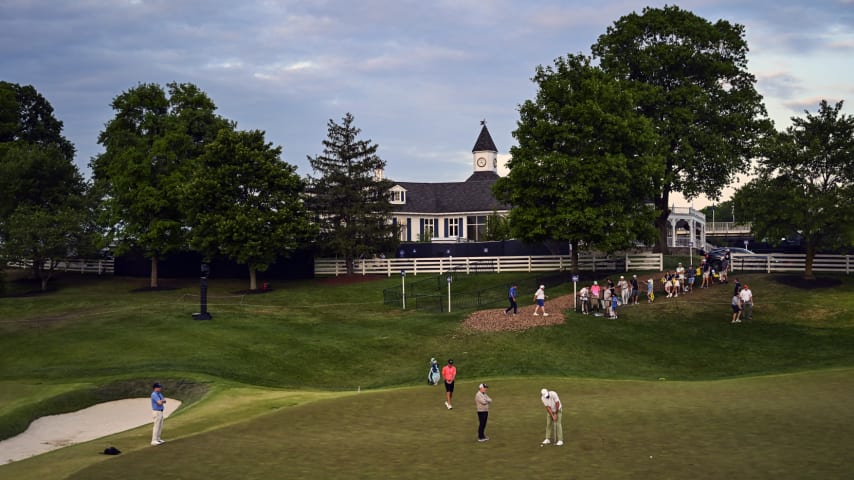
<point>540,263</point>
<point>80,265</point>
<point>791,262</point>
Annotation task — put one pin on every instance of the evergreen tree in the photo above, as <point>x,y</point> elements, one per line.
<point>348,196</point>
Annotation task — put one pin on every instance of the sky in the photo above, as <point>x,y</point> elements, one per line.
<point>418,76</point>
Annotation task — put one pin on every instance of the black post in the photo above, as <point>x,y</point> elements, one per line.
<point>203,295</point>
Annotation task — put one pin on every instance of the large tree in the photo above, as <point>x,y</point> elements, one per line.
<point>582,169</point>
<point>27,117</point>
<point>151,149</point>
<point>246,203</point>
<point>44,213</point>
<point>349,198</point>
<point>691,80</point>
<point>805,183</point>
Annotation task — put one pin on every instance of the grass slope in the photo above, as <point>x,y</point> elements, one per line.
<point>91,340</point>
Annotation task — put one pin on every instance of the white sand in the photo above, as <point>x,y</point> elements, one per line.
<point>57,431</point>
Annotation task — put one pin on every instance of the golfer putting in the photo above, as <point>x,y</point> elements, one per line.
<point>554,412</point>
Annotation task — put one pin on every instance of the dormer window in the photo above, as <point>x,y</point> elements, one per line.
<point>397,196</point>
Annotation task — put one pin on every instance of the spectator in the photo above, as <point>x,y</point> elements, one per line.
<point>540,300</point>
<point>692,277</point>
<point>625,291</point>
<point>584,295</point>
<point>706,268</point>
<point>650,290</point>
<point>606,300</point>
<point>595,294</point>
<point>511,295</point>
<point>635,288</point>
<point>736,309</point>
<point>746,296</point>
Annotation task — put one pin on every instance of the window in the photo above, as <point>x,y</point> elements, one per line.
<point>453,227</point>
<point>397,196</point>
<point>429,228</point>
<point>476,228</point>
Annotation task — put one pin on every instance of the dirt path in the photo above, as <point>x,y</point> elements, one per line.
<point>494,320</point>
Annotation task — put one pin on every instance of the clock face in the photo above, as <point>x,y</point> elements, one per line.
<point>481,162</point>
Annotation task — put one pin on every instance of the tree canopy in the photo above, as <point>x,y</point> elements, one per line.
<point>151,149</point>
<point>44,212</point>
<point>348,197</point>
<point>805,182</point>
<point>582,169</point>
<point>690,79</point>
<point>246,203</point>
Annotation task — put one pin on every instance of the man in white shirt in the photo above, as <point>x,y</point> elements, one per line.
<point>746,296</point>
<point>554,412</point>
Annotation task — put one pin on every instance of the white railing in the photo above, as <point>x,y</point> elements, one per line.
<point>726,228</point>
<point>791,262</point>
<point>539,263</point>
<point>81,265</point>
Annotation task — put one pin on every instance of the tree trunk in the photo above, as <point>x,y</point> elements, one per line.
<point>44,280</point>
<point>808,275</point>
<point>152,283</point>
<point>351,265</point>
<point>573,245</point>
<point>661,225</point>
<point>253,278</point>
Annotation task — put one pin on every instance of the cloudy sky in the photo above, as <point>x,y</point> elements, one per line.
<point>418,76</point>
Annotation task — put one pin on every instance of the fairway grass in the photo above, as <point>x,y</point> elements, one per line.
<point>772,427</point>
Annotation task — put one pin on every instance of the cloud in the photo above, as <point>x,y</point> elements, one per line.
<point>781,84</point>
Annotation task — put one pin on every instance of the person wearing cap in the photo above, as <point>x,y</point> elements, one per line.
<point>595,290</point>
<point>625,291</point>
<point>554,414</point>
<point>511,295</point>
<point>449,373</point>
<point>540,300</point>
<point>157,403</point>
<point>482,401</point>
<point>635,288</point>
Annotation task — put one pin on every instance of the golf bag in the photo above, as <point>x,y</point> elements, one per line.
<point>433,373</point>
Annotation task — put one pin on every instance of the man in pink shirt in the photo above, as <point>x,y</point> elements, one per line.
<point>449,373</point>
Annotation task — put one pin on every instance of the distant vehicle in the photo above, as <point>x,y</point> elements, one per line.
<point>717,255</point>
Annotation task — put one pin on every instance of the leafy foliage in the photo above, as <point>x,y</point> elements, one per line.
<point>690,79</point>
<point>805,182</point>
<point>582,171</point>
<point>44,214</point>
<point>246,203</point>
<point>151,148</point>
<point>349,199</point>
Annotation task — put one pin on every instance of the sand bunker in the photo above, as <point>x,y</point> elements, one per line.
<point>57,431</point>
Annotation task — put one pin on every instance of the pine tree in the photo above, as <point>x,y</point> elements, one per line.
<point>349,196</point>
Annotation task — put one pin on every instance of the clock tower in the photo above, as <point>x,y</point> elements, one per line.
<point>484,153</point>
